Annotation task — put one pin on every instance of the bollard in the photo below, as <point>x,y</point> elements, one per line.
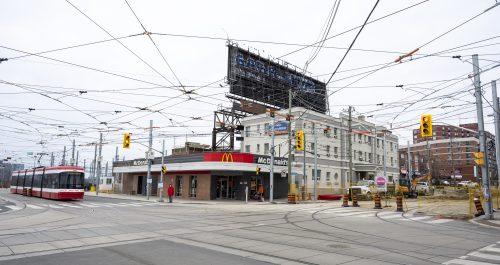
<point>378,205</point>
<point>479,207</point>
<point>355,200</point>
<point>346,201</point>
<point>399,203</point>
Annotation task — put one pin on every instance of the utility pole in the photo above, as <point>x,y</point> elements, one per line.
<point>160,183</point>
<point>149,180</point>
<point>77,156</point>
<point>117,158</point>
<point>452,157</point>
<point>271,152</point>
<point>349,136</point>
<point>52,159</point>
<point>482,140</point>
<point>63,162</point>
<point>304,168</point>
<point>291,182</point>
<point>73,154</point>
<point>99,166</point>
<point>106,170</point>
<point>315,192</point>
<point>497,128</point>
<point>385,155</point>
<point>94,165</point>
<point>409,173</point>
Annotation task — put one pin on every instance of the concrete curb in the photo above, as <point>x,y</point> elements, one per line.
<point>475,221</point>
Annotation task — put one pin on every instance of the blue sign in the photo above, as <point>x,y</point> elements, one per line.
<point>280,127</point>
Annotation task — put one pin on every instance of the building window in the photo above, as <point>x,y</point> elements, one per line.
<point>391,147</point>
<point>336,176</point>
<point>319,174</point>
<point>370,157</point>
<point>258,129</point>
<point>258,148</point>
<point>378,143</point>
<point>392,161</point>
<point>247,148</point>
<point>247,131</point>
<point>192,186</point>
<point>328,150</point>
<point>178,185</point>
<point>266,148</point>
<point>266,127</point>
<point>360,155</point>
<point>354,152</point>
<point>378,159</point>
<point>312,146</point>
<point>328,176</point>
<point>335,150</point>
<point>335,132</point>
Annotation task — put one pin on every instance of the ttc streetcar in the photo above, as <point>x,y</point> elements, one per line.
<point>58,183</point>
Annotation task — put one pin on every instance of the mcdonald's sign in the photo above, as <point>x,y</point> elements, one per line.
<point>227,157</point>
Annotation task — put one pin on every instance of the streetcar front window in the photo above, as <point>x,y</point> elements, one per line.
<point>71,180</point>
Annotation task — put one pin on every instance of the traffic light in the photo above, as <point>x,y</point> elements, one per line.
<point>164,169</point>
<point>257,171</point>
<point>299,140</point>
<point>126,140</point>
<point>479,158</point>
<point>426,125</point>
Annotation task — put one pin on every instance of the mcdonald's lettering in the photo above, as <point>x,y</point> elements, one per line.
<point>227,157</point>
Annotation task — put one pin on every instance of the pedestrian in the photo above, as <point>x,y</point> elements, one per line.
<point>170,192</point>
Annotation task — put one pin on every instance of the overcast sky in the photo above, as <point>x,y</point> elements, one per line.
<point>50,99</point>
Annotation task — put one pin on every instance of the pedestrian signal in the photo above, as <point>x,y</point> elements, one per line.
<point>126,140</point>
<point>479,158</point>
<point>299,140</point>
<point>426,125</point>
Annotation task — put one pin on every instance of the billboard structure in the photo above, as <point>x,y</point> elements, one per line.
<point>263,80</point>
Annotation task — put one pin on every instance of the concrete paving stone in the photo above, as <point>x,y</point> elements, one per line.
<point>267,248</point>
<point>70,243</point>
<point>329,258</point>
<point>97,240</point>
<point>35,247</point>
<point>127,237</point>
<point>270,259</point>
<point>366,262</point>
<point>59,235</point>
<point>227,241</point>
<point>246,243</point>
<point>4,251</point>
<point>404,258</point>
<point>297,253</point>
<point>82,233</point>
<point>19,240</point>
<point>176,231</point>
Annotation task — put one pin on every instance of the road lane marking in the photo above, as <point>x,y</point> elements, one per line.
<point>34,206</point>
<point>55,206</point>
<point>491,248</point>
<point>13,207</point>
<point>466,262</point>
<point>419,218</point>
<point>484,256</point>
<point>439,221</point>
<point>69,205</point>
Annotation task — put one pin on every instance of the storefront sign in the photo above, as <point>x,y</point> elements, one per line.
<point>140,162</point>
<point>266,160</point>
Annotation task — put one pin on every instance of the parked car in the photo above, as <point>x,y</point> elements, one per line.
<point>423,187</point>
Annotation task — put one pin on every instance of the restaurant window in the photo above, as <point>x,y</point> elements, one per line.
<point>193,184</point>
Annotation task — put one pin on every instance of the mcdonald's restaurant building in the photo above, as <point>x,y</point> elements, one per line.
<point>205,176</point>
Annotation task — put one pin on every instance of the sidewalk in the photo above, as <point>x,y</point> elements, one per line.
<point>494,223</point>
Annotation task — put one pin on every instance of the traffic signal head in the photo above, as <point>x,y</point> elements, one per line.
<point>126,140</point>
<point>257,171</point>
<point>164,169</point>
<point>426,125</point>
<point>479,158</point>
<point>299,140</point>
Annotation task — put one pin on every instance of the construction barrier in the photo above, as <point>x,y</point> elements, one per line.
<point>479,207</point>
<point>399,203</point>
<point>345,203</point>
<point>292,198</point>
<point>355,200</point>
<point>378,205</point>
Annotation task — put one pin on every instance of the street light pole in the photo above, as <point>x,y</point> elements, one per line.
<point>161,171</point>
<point>149,180</point>
<point>271,171</point>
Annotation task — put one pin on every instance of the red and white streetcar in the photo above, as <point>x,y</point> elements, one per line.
<point>58,183</point>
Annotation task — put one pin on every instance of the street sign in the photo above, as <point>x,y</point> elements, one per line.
<point>380,180</point>
<point>160,185</point>
<point>150,181</point>
<point>283,173</point>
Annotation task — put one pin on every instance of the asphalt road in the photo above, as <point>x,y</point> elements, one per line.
<point>110,231</point>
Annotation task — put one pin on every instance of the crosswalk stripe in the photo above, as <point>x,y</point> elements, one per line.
<point>87,205</point>
<point>439,221</point>
<point>55,206</point>
<point>466,262</point>
<point>390,216</point>
<point>34,206</point>
<point>419,218</point>
<point>484,256</point>
<point>352,214</point>
<point>13,207</point>
<point>490,248</point>
<point>364,215</point>
<point>69,205</point>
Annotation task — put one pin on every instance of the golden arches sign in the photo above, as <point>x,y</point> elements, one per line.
<point>227,157</point>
